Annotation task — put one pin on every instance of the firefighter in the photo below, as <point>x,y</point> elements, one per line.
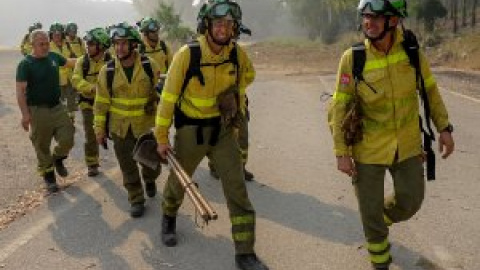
<point>58,45</point>
<point>195,95</point>
<point>74,42</point>
<point>26,46</point>
<point>152,45</point>
<point>124,109</point>
<point>38,96</point>
<point>386,95</point>
<point>84,80</point>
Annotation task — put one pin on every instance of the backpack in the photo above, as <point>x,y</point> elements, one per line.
<point>194,68</point>
<point>147,67</point>
<point>411,47</point>
<point>163,47</point>
<point>86,64</point>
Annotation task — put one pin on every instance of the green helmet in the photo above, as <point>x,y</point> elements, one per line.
<point>124,31</point>
<point>148,24</point>
<point>384,7</point>
<point>71,27</point>
<point>34,27</point>
<point>98,35</point>
<point>220,8</point>
<point>56,27</point>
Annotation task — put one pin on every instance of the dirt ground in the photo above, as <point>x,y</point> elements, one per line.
<point>22,190</point>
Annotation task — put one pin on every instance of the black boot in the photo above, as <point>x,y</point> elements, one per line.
<point>59,167</point>
<point>92,170</point>
<point>151,189</point>
<point>137,210</point>
<point>248,175</point>
<point>169,237</point>
<point>50,182</point>
<point>249,262</point>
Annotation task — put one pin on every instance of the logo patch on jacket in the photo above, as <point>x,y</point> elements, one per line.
<point>345,79</point>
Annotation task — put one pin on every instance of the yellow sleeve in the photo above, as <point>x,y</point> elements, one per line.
<point>344,91</point>
<point>170,94</point>
<point>102,102</point>
<point>78,81</point>
<point>438,111</point>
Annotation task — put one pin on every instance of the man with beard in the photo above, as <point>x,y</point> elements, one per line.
<point>385,93</point>
<point>202,120</point>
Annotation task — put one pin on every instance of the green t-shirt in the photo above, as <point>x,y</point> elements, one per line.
<point>129,73</point>
<point>42,77</point>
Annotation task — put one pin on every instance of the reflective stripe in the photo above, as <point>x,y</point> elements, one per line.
<point>169,97</point>
<point>102,100</point>
<point>384,62</point>
<point>99,118</point>
<point>242,236</point>
<point>164,122</point>
<point>201,102</point>
<point>342,97</point>
<point>127,113</point>
<point>387,220</point>
<point>239,220</point>
<point>130,101</point>
<point>378,247</point>
<point>380,259</point>
<point>430,81</point>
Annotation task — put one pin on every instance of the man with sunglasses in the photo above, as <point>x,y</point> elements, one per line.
<point>152,45</point>
<point>387,95</point>
<point>84,80</point>
<point>193,96</point>
<point>126,100</point>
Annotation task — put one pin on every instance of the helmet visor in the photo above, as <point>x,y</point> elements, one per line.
<point>88,37</point>
<point>118,32</point>
<point>377,6</point>
<point>222,9</point>
<point>152,27</point>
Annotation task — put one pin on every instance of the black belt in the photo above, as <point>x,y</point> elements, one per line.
<point>183,120</point>
<point>48,106</point>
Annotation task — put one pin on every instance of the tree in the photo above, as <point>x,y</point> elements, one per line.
<point>171,23</point>
<point>474,13</point>
<point>430,10</point>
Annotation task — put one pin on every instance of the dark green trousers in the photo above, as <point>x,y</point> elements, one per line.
<point>132,177</point>
<point>376,210</point>
<point>47,124</point>
<point>91,145</point>
<point>227,159</point>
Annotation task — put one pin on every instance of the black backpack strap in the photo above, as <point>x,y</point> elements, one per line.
<point>107,57</point>
<point>110,76</point>
<point>359,59</point>
<point>163,45</point>
<point>141,48</point>
<point>411,46</point>
<point>193,67</point>
<point>85,66</point>
<point>147,67</point>
<point>69,47</point>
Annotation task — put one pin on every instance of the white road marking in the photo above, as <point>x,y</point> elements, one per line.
<point>476,100</point>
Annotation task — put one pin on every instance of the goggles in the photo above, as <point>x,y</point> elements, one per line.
<point>152,27</point>
<point>377,6</point>
<point>118,32</point>
<point>223,9</point>
<point>88,37</point>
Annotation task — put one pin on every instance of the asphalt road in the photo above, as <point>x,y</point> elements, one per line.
<point>307,216</point>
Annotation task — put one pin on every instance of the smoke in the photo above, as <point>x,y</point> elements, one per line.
<point>266,18</point>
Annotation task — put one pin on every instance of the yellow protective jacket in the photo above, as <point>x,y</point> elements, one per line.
<point>65,72</point>
<point>26,46</point>
<point>127,104</point>
<point>163,59</point>
<point>84,84</point>
<point>199,101</point>
<point>76,46</point>
<point>391,115</point>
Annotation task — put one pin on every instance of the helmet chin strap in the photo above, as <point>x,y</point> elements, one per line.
<point>387,28</point>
